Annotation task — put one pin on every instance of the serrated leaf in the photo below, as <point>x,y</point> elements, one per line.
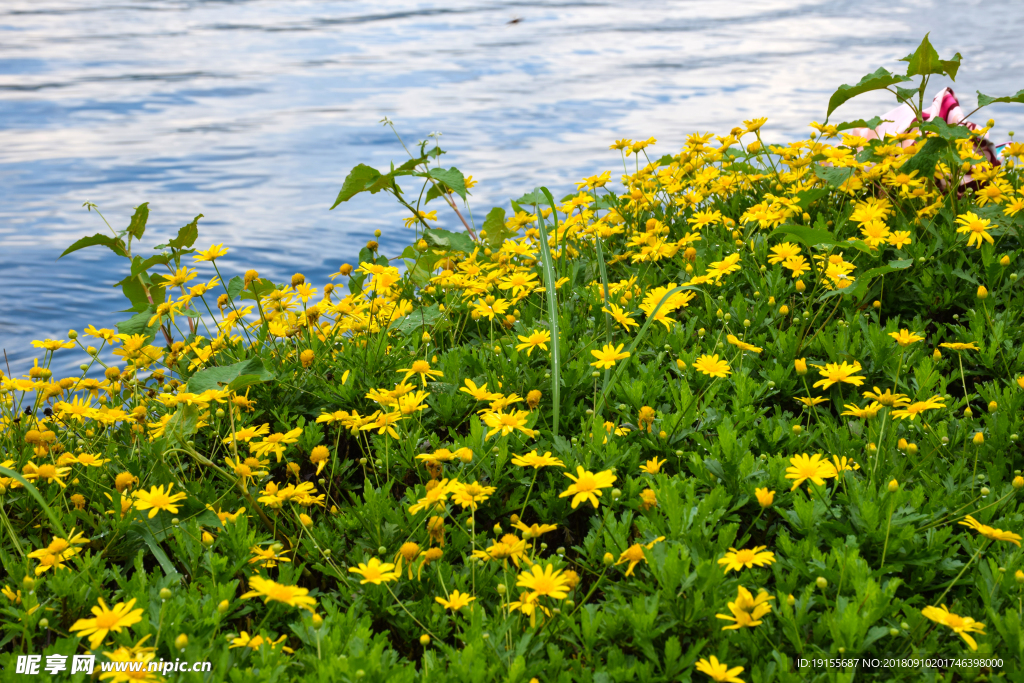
<point>877,80</point>
<point>115,245</point>
<point>985,100</point>
<point>141,265</point>
<point>531,198</point>
<point>359,179</point>
<point>213,378</point>
<point>187,235</point>
<point>872,123</point>
<point>139,324</point>
<point>142,530</point>
<point>449,241</point>
<point>421,317</point>
<point>812,237</point>
<point>235,286</point>
<point>137,226</point>
<point>263,288</point>
<point>926,158</point>
<point>496,232</point>
<point>452,178</point>
<point>946,131</point>
<point>835,177</point>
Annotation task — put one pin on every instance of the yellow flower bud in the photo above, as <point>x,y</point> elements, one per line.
<point>801,366</point>
<point>982,292</point>
<point>424,640</point>
<point>783,310</point>
<point>306,520</point>
<point>800,286</point>
<point>317,620</point>
<point>181,642</point>
<point>1005,261</point>
<point>978,439</point>
<point>306,357</point>
<point>936,355</point>
<point>876,304</point>
<point>893,486</point>
<point>608,559</point>
<point>1018,482</point>
<point>992,405</point>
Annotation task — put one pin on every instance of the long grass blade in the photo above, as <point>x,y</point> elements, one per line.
<point>38,496</point>
<point>552,299</point>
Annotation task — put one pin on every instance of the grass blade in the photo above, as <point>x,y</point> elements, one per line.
<point>552,296</point>
<point>38,496</point>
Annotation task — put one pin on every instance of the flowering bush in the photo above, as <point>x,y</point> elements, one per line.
<point>761,406</point>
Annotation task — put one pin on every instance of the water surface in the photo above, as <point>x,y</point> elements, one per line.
<point>251,112</point>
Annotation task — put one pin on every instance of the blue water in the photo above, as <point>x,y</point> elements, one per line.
<point>252,112</point>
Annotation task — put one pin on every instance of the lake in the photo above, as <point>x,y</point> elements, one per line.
<point>252,113</point>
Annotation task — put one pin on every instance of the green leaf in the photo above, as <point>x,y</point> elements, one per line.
<point>860,286</point>
<point>183,424</point>
<point>140,265</point>
<point>139,324</point>
<point>34,492</point>
<point>946,131</point>
<point>142,530</point>
<point>449,241</point>
<point>187,235</point>
<point>531,198</point>
<point>924,60</point>
<point>138,224</point>
<point>213,378</point>
<point>906,94</point>
<point>452,179</point>
<point>235,286</point>
<point>115,245</point>
<point>872,123</point>
<point>605,201</point>
<point>835,177</point>
<point>985,100</point>
<point>359,179</point>
<point>551,296</point>
<point>496,232</point>
<point>926,158</point>
<point>136,293</point>
<point>812,237</point>
<point>263,288</point>
<point>808,197</point>
<point>877,80</point>
<point>422,317</point>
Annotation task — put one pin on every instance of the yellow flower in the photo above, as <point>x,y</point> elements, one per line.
<point>962,626</point>
<point>839,372</point>
<point>375,572</point>
<point>746,610</point>
<point>587,486</point>
<point>455,601</point>
<point>608,355</point>
<point>544,582</point>
<point>106,620</point>
<point>535,461</point>
<point>156,499</point>
<point>211,254</point>
<point>990,532</point>
<point>634,554</point>
<point>537,338</point>
<point>652,466</point>
<point>764,497</point>
<point>959,346</point>
<point>468,495</point>
<point>976,227</point>
<point>271,590</point>
<point>735,341</point>
<point>905,337</point>
<point>506,423</point>
<point>814,468</point>
<point>712,366</point>
<point>735,560</point>
<point>719,671</point>
<point>914,409</point>
<point>421,368</point>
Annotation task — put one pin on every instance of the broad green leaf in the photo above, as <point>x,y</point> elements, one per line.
<point>877,80</point>
<point>359,179</point>
<point>863,281</point>
<point>985,100</point>
<point>925,61</point>
<point>139,324</point>
<point>421,317</point>
<point>872,123</point>
<point>494,228</point>
<point>140,265</point>
<point>136,293</point>
<point>137,227</point>
<point>906,94</point>
<point>263,288</point>
<point>235,286</point>
<point>813,237</point>
<point>531,198</point>
<point>452,178</point>
<point>946,131</point>
<point>213,378</point>
<point>835,177</point>
<point>808,197</point>
<point>450,241</point>
<point>187,235</point>
<point>926,158</point>
<point>115,245</point>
